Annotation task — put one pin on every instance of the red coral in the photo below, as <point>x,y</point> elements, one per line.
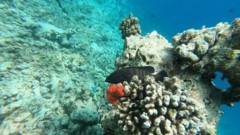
<point>114,92</point>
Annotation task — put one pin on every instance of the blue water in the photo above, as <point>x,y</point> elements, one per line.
<point>230,120</point>
<point>173,16</point>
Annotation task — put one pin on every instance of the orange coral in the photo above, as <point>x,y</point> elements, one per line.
<point>114,92</point>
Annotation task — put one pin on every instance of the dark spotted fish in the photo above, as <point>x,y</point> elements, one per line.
<point>126,74</point>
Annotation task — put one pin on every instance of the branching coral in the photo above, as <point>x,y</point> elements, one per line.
<point>130,26</point>
<point>160,108</point>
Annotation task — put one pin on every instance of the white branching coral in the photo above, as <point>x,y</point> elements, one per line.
<point>160,108</point>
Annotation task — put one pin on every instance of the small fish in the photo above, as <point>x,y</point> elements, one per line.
<point>94,89</point>
<point>126,74</point>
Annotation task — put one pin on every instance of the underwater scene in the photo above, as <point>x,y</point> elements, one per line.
<point>119,67</point>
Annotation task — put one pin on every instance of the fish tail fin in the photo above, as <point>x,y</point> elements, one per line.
<point>160,75</point>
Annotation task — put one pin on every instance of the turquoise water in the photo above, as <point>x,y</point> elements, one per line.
<point>56,54</point>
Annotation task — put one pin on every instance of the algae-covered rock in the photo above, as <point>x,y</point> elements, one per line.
<point>212,49</point>
<point>44,61</point>
<point>152,49</point>
<point>86,116</point>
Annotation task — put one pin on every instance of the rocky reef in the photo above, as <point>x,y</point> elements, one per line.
<point>50,60</point>
<point>186,102</point>
<point>209,50</point>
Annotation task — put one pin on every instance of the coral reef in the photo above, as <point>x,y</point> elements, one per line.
<point>51,58</point>
<point>190,63</point>
<point>152,49</point>
<point>87,116</point>
<point>84,120</point>
<point>209,50</point>
<point>130,26</point>
<point>161,108</point>
<point>50,61</point>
